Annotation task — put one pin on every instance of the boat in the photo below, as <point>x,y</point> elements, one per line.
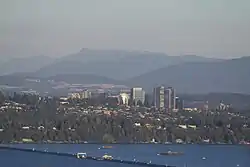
<point>81,155</point>
<point>107,147</point>
<point>107,157</point>
<point>171,153</point>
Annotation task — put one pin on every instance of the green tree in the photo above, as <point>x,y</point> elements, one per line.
<point>139,103</point>
<point>108,138</point>
<point>2,98</point>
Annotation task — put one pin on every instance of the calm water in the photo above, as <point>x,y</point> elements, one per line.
<point>216,155</point>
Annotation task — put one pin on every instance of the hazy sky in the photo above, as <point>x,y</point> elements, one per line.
<point>212,28</point>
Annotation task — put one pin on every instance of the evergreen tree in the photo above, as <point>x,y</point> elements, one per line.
<point>2,97</point>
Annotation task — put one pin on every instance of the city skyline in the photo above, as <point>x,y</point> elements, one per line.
<point>125,79</point>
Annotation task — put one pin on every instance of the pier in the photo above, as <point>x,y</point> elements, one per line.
<point>146,164</point>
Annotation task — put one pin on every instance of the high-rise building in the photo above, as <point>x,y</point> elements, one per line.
<point>159,97</point>
<point>170,99</point>
<point>124,99</point>
<point>173,99</point>
<point>179,103</point>
<point>86,94</point>
<point>167,99</point>
<point>137,96</point>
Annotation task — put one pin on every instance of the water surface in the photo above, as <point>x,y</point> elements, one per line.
<point>215,155</point>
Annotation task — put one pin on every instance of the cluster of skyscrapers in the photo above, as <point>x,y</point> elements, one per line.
<point>135,97</point>
<point>164,98</point>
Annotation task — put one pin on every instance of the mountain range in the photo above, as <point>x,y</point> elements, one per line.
<point>22,65</point>
<point>188,74</point>
<point>116,64</point>
<point>204,77</point>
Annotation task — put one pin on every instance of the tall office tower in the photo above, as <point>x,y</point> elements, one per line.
<point>137,95</point>
<point>159,97</point>
<point>86,94</point>
<point>173,99</point>
<point>179,103</point>
<point>170,99</point>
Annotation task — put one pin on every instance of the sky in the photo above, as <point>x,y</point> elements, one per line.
<point>210,28</point>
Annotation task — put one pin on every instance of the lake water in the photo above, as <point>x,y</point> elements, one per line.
<point>215,155</point>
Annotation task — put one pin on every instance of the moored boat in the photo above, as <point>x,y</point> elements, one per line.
<point>107,157</point>
<point>171,153</point>
<point>81,155</point>
<point>107,147</point>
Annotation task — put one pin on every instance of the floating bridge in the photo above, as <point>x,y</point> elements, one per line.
<point>149,164</point>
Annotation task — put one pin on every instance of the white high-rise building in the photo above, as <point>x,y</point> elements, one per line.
<point>124,98</point>
<point>86,94</point>
<point>137,96</point>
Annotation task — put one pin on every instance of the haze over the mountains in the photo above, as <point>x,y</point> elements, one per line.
<point>22,65</point>
<point>113,63</point>
<point>188,74</point>
<point>211,28</point>
<point>116,64</point>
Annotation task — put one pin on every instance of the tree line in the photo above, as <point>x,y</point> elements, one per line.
<point>58,125</point>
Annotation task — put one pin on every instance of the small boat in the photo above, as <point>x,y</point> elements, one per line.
<point>171,153</point>
<point>107,147</point>
<point>107,157</point>
<point>149,162</point>
<point>81,155</point>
